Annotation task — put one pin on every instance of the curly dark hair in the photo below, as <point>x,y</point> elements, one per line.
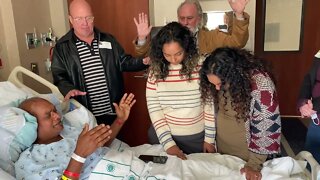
<point>173,32</point>
<point>235,68</point>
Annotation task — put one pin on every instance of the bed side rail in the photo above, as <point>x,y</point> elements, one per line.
<point>315,167</point>
<point>13,77</point>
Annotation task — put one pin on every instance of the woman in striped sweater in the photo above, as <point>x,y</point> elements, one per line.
<point>182,124</point>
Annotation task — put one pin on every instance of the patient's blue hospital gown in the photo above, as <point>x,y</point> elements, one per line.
<point>48,161</point>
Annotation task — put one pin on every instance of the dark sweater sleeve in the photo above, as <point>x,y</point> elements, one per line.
<point>308,83</point>
<point>128,62</point>
<point>60,73</point>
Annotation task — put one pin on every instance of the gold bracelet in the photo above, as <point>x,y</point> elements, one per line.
<point>63,177</point>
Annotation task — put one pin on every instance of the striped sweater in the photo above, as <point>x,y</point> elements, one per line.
<point>175,107</point>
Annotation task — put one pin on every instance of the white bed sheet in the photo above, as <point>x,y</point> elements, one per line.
<point>202,166</point>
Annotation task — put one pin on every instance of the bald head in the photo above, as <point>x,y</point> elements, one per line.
<point>48,119</point>
<point>30,104</point>
<point>81,18</point>
<point>79,5</point>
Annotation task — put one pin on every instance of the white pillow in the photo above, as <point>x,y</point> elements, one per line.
<point>5,176</point>
<point>18,131</point>
<point>11,95</point>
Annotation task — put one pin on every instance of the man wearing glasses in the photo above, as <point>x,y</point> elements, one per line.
<point>87,64</point>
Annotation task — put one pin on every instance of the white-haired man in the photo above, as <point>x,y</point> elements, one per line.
<point>190,15</point>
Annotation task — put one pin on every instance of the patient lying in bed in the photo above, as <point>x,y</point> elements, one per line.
<point>50,155</point>
<point>66,151</point>
<point>119,161</point>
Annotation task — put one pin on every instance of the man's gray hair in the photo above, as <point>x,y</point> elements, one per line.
<point>195,2</point>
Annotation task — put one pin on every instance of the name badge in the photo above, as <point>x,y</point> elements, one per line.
<point>105,45</point>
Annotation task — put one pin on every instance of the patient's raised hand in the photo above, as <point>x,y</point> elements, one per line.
<point>175,150</point>
<point>124,107</point>
<point>90,140</point>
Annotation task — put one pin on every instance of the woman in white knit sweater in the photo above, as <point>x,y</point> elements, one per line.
<point>182,123</point>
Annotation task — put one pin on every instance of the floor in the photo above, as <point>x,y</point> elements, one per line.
<point>294,131</point>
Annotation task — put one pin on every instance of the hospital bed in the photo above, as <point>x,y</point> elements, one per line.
<point>18,71</point>
<point>198,166</point>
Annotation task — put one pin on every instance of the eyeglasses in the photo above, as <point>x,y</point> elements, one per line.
<point>88,19</point>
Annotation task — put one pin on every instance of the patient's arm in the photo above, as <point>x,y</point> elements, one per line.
<point>123,111</point>
<point>88,142</point>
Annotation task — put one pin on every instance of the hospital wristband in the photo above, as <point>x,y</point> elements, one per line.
<point>78,158</point>
<point>63,177</point>
<point>71,174</point>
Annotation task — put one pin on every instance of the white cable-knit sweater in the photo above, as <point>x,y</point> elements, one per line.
<point>175,107</point>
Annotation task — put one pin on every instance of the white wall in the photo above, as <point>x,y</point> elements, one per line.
<point>27,16</point>
<point>59,19</point>
<point>283,27</point>
<point>19,17</point>
<point>9,46</point>
<point>162,11</point>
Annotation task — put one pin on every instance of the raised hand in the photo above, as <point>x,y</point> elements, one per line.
<point>73,93</point>
<point>238,7</point>
<point>208,148</point>
<point>175,150</point>
<point>142,25</point>
<point>124,107</point>
<point>90,140</point>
